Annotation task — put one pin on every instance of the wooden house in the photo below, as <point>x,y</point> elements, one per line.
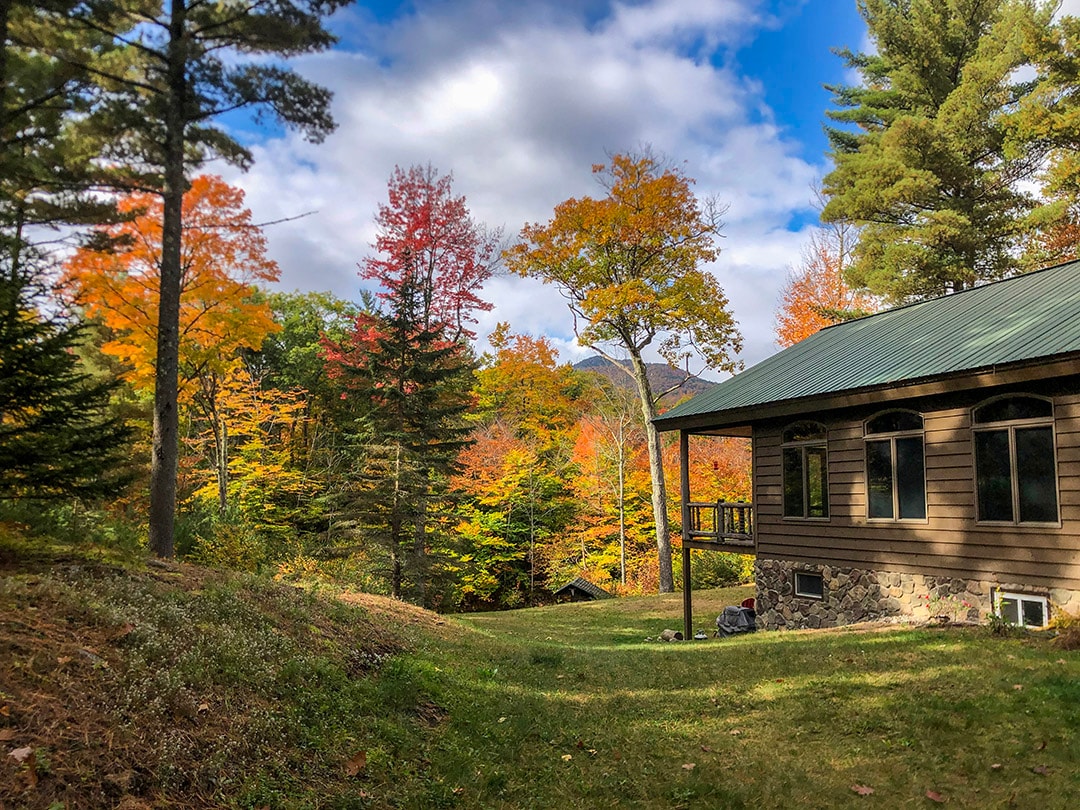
<point>920,462</point>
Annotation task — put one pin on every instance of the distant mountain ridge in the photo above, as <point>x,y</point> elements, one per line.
<point>661,378</point>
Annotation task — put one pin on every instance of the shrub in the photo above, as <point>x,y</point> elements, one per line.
<point>720,569</point>
<point>1067,626</point>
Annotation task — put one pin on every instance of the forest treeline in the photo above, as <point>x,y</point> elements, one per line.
<point>365,443</point>
<point>370,441</point>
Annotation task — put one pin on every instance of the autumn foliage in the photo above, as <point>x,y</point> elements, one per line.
<point>816,295</point>
<point>224,256</point>
<point>368,443</point>
<point>427,236</point>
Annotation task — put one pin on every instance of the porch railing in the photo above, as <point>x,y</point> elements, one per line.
<point>726,524</point>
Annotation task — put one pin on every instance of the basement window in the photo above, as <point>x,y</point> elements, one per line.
<point>810,585</point>
<point>1023,609</point>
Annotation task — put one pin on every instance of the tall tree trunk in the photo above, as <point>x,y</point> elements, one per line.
<point>222,463</point>
<point>5,15</point>
<point>622,501</point>
<point>396,546</point>
<point>166,448</point>
<point>420,548</point>
<point>656,473</point>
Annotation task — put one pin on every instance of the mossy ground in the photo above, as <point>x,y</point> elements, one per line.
<point>141,686</point>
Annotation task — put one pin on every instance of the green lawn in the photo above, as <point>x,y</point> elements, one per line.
<point>569,705</point>
<point>143,687</point>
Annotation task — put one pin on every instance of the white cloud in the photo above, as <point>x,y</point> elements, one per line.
<point>1069,8</point>
<point>518,100</point>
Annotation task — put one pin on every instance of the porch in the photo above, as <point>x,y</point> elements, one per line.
<point>709,526</point>
<point>720,525</point>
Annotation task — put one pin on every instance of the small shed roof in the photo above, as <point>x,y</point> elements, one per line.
<point>1020,319</point>
<point>595,591</point>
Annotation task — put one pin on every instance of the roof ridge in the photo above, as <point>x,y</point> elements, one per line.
<point>953,294</point>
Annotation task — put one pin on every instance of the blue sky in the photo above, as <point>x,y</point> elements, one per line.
<point>519,99</point>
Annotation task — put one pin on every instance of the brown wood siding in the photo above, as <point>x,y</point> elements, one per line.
<point>949,542</point>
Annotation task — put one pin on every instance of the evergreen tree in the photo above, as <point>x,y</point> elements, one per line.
<point>48,111</point>
<point>1051,113</point>
<point>410,387</point>
<point>935,170</point>
<point>57,436</point>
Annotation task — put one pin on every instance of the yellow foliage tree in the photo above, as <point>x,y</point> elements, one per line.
<point>116,278</point>
<point>629,265</point>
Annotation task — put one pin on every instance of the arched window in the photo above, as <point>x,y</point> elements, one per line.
<point>895,470</point>
<point>1015,465</point>
<point>806,471</point>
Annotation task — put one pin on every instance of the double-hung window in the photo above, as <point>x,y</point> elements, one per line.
<point>895,469</point>
<point>1015,467</point>
<point>806,471</point>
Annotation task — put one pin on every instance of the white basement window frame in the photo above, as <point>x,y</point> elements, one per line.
<point>809,585</point>
<point>1022,609</point>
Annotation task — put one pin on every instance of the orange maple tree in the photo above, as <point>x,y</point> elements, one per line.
<point>1057,243</point>
<point>224,255</point>
<point>815,294</point>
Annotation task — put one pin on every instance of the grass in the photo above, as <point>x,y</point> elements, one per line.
<point>136,686</point>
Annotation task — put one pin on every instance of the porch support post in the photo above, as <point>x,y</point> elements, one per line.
<point>684,498</point>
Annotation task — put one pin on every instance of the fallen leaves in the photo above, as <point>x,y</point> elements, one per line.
<point>356,764</point>
<point>567,757</point>
<point>122,632</point>
<point>862,790</point>
<point>7,734</point>
<point>26,757</point>
<point>689,766</point>
<point>934,796</point>
<point>1042,770</point>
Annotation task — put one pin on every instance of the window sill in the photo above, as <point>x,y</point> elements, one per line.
<point>900,521</point>
<point>1005,524</point>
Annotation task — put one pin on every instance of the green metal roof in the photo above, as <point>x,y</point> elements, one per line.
<point>1019,319</point>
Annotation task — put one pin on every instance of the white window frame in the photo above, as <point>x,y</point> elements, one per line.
<point>803,594</point>
<point>1020,598</point>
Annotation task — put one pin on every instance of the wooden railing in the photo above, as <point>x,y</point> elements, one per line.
<point>726,524</point>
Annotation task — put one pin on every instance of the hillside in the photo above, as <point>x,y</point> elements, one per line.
<point>661,377</point>
<point>129,685</point>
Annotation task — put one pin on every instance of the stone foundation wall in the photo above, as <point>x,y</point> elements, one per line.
<point>856,595</point>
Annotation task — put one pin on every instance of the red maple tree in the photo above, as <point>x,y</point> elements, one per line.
<point>428,239</point>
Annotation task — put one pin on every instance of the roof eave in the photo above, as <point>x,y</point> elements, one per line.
<point>737,421</point>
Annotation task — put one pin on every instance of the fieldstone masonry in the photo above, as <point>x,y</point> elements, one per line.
<point>857,595</point>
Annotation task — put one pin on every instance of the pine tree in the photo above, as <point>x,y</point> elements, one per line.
<point>411,388</point>
<point>934,169</point>
<point>180,64</point>
<point>57,436</point>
